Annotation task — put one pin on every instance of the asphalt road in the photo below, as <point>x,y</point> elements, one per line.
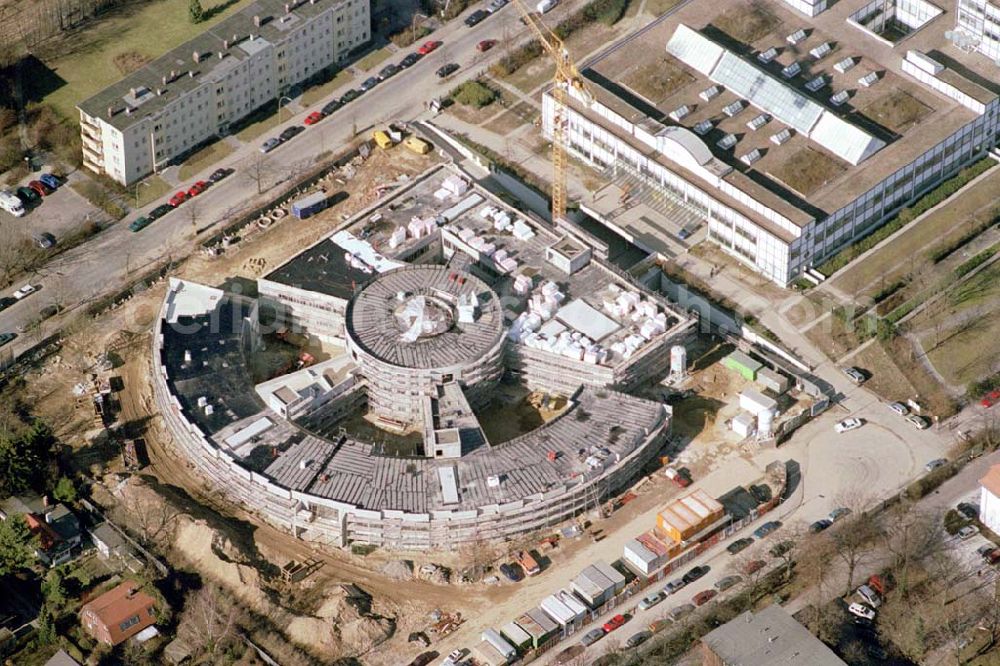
<point>104,264</point>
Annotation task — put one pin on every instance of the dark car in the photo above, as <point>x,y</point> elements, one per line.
<point>592,637</point>
<point>159,211</point>
<point>139,223</point>
<point>724,584</point>
<point>694,574</point>
<point>291,132</point>
<point>409,60</point>
<point>820,525</point>
<point>27,195</point>
<point>635,640</point>
<point>781,548</point>
<point>970,511</point>
<point>350,96</point>
<point>388,71</point>
<point>369,83</point>
<point>49,311</point>
<point>447,70</point>
<point>219,174</point>
<point>766,529</point>
<point>511,573</point>
<point>476,17</point>
<point>49,180</point>
<point>6,337</point>
<point>330,107</point>
<point>424,658</point>
<point>44,240</point>
<point>739,545</point>
<point>6,302</point>
<point>680,611</point>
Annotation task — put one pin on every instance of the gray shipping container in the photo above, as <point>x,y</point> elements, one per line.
<point>774,381</point>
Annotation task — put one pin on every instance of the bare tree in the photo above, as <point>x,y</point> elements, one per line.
<point>210,621</point>
<point>909,535</point>
<point>813,557</point>
<point>852,537</point>
<point>747,566</point>
<point>257,171</point>
<point>155,521</point>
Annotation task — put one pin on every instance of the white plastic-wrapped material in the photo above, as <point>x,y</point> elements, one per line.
<point>500,255</point>
<point>662,318</point>
<point>532,322</point>
<point>590,356</point>
<point>574,351</point>
<point>509,265</point>
<point>416,228</point>
<point>488,248</point>
<point>549,288</point>
<point>442,194</point>
<point>501,217</point>
<point>397,237</point>
<point>466,234</point>
<point>502,224</point>
<point>487,212</point>
<point>648,308</point>
<point>544,311</point>
<point>522,283</point>
<point>648,329</point>
<point>618,347</point>
<point>455,185</point>
<point>522,231</point>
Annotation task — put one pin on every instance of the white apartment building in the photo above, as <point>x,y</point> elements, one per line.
<point>733,140</point>
<point>136,126</point>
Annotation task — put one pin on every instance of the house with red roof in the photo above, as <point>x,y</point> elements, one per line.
<point>119,613</point>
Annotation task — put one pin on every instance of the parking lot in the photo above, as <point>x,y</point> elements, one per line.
<point>61,213</point>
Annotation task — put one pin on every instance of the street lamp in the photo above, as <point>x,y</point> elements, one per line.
<point>280,100</point>
<point>141,183</point>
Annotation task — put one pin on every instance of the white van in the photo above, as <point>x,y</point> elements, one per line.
<point>10,203</point>
<point>870,596</point>
<point>546,6</point>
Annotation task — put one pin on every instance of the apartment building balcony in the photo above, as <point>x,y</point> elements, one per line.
<point>93,156</point>
<point>91,142</point>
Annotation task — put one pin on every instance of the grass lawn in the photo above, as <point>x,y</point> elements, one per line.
<point>807,170</point>
<point>260,124</point>
<point>204,158</point>
<point>896,110</point>
<point>316,93</point>
<point>658,7</point>
<point>150,189</point>
<point>746,22</point>
<point>150,29</point>
<point>510,120</point>
<point>658,79</point>
<point>886,379</point>
<point>374,59</point>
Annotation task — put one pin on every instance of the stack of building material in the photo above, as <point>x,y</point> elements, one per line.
<point>420,227</point>
<point>522,231</point>
<point>397,237</point>
<point>455,185</point>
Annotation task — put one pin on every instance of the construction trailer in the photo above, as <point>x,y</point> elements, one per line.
<point>537,624</point>
<point>743,365</point>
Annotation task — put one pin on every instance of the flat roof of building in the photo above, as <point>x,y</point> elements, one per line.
<point>905,114</point>
<point>237,38</point>
<point>325,268</point>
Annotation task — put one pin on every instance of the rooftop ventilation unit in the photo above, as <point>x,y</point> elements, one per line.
<point>757,122</point>
<point>781,137</point>
<point>821,51</point>
<point>796,37</point>
<point>868,80</point>
<point>767,56</point>
<point>815,84</point>
<point>751,157</point>
<point>845,65</point>
<point>677,114</point>
<point>726,142</point>
<point>734,108</point>
<point>791,70</point>
<point>708,94</point>
<point>840,98</point>
<point>703,128</point>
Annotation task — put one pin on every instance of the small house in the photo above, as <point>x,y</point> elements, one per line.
<point>119,614</point>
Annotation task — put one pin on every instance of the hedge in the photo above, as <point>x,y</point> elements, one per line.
<point>945,251</point>
<point>474,93</point>
<point>983,386</point>
<point>975,262</point>
<point>888,290</point>
<point>905,216</point>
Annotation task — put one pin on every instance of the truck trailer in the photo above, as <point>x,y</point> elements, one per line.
<point>310,205</point>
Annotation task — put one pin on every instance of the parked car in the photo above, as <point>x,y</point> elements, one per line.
<point>838,513</point>
<point>970,511</point>
<point>139,223</point>
<point>6,337</point>
<point>313,118</point>
<point>861,611</point>
<point>869,596</point>
<point>331,106</point>
<point>782,547</point>
<point>681,611</point>
<point>198,188</point>
<point>703,597</point>
<point>428,47</point>
<point>934,464</point>
<point>50,180</point>
<point>855,375</point>
<point>656,626</point>
<point>614,623</point>
<point>290,133</point>
<point>694,574</point>
<point>220,174</point>
<point>447,70</point>
<point>919,422</point>
<point>350,96</point>
<point>27,195</point>
<point>967,532</point>
<point>476,17</point>
<point>178,199</point>
<point>456,655</point>
<point>160,211</point>
<point>410,60</point>
<point>989,553</point>
<point>270,145</point>
<point>635,640</point>
<point>739,545</point>
<point>651,600</point>
<point>388,71</point>
<point>368,83</point>
<point>25,291</point>
<point>724,584</point>
<point>673,586</point>
<point>899,408</point>
<point>848,424</point>
<point>511,572</point>
<point>753,566</point>
<point>766,529</point>
<point>40,188</point>
<point>49,311</point>
<point>486,45</point>
<point>991,398</point>
<point>592,637</point>
<point>496,5</point>
<point>424,658</point>
<point>44,240</point>
<point>6,302</point>
<point>820,525</point>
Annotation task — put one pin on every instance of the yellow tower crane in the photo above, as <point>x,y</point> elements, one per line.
<point>566,75</point>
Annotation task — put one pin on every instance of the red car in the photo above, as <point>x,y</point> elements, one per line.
<point>486,45</point>
<point>427,47</point>
<point>178,199</point>
<point>991,398</point>
<point>40,187</point>
<point>614,623</point>
<point>703,597</point>
<point>313,118</point>
<point>197,188</point>
<point>753,566</point>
